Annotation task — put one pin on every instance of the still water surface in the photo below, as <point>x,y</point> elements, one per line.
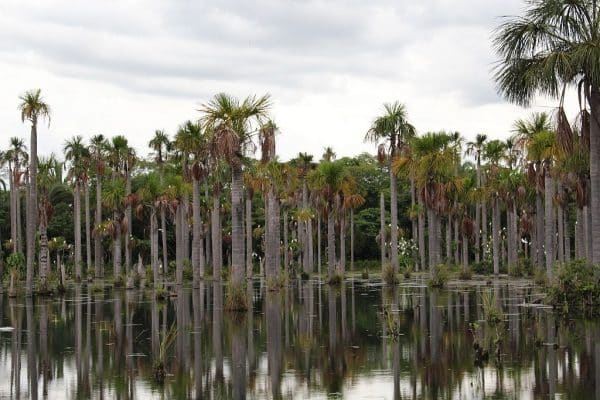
<point>308,340</point>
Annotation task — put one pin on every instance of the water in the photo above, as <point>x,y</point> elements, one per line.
<point>306,341</point>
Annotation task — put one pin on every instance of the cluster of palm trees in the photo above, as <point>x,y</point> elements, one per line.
<point>181,190</point>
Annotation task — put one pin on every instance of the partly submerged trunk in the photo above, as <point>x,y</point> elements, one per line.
<point>77,222</point>
<point>496,236</point>
<point>98,258</point>
<point>595,173</point>
<point>330,244</point>
<point>237,231</point>
<point>248,235</point>
<point>352,239</point>
<point>31,209</point>
<point>549,224</point>
<point>154,245</point>
<point>394,220</point>
<point>217,238</point>
<point>272,253</point>
<point>88,229</point>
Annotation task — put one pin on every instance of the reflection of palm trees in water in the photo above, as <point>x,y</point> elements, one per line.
<point>32,375</point>
<point>274,341</point>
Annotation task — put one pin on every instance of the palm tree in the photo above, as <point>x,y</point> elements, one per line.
<point>47,177</point>
<point>252,184</point>
<point>394,129</point>
<point>77,154</point>
<point>475,148</point>
<point>494,152</point>
<point>16,157</point>
<point>148,194</point>
<point>352,201</point>
<point>97,148</point>
<point>128,166</point>
<point>113,198</point>
<point>555,44</point>
<point>329,154</point>
<point>161,145</point>
<point>32,106</point>
<point>231,124</point>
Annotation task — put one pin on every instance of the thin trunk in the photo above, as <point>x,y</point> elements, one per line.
<point>88,229</point>
<point>198,229</point>
<point>304,230</point>
<point>163,233</point>
<point>237,231</point>
<point>561,233</point>
<point>496,236</point>
<point>43,256</point>
<point>13,209</point>
<point>478,207</point>
<point>549,224</point>
<point>539,228</point>
<point>77,221</point>
<point>98,258</point>
<point>595,173</point>
<point>330,244</point>
<point>394,220</point>
<point>448,240</point>
<point>415,234</point>
<point>129,223</point>
<point>465,252</point>
<point>117,246</point>
<point>319,244</point>
<point>382,228</point>
<point>456,242</point>
<point>185,228</point>
<point>421,221</point>
<point>484,228</point>
<point>273,234</point>
<point>19,220</point>
<point>154,245</point>
<point>516,239</point>
<point>248,235</point>
<point>342,266</point>
<point>31,209</point>
<point>286,243</point>
<point>352,239</point>
<point>178,245</point>
<point>217,251</point>
<point>579,235</point>
<point>311,249</point>
<point>433,246</point>
<point>586,234</point>
<point>567,233</point>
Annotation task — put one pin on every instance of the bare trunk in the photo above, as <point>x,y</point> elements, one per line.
<point>163,233</point>
<point>44,254</point>
<point>394,220</point>
<point>13,210</point>
<point>567,233</point>
<point>382,228</point>
<point>421,221</point>
<point>185,228</point>
<point>352,239</point>
<point>561,233</point>
<point>248,235</point>
<point>88,229</point>
<point>272,253</point>
<point>432,239</point>
<point>595,173</point>
<point>77,221</point>
<point>117,247</point>
<point>465,252</point>
<point>579,235</point>
<point>286,243</point>
<point>415,234</point>
<point>549,224</point>
<point>342,266</point>
<point>178,245</point>
<point>496,236</point>
<point>304,230</point>
<point>311,250</point>
<point>237,231</point>
<point>478,207</point>
<point>198,230</point>
<point>448,240</point>
<point>330,244</point>
<point>31,209</point>
<point>98,257</point>
<point>586,233</point>
<point>539,229</point>
<point>456,242</point>
<point>129,223</point>
<point>154,245</point>
<point>217,251</point>
<point>319,244</point>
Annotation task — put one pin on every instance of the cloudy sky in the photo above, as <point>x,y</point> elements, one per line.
<point>131,67</point>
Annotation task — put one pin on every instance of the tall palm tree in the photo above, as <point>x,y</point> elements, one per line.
<point>475,148</point>
<point>148,194</point>
<point>555,44</point>
<point>393,128</point>
<point>77,155</point>
<point>47,177</point>
<point>161,145</point>
<point>97,147</point>
<point>16,157</point>
<point>494,153</point>
<point>231,123</point>
<point>32,106</point>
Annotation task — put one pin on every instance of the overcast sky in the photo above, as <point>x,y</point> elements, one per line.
<point>131,67</point>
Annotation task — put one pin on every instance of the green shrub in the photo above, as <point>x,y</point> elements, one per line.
<point>389,275</point>
<point>491,311</point>
<point>304,276</point>
<point>119,281</point>
<point>97,288</point>
<point>236,299</point>
<point>336,279</point>
<point>439,276</point>
<point>16,262</point>
<point>407,271</point>
<point>365,274</point>
<point>482,268</point>
<point>188,272</point>
<point>539,277</point>
<point>276,283</point>
<point>576,290</point>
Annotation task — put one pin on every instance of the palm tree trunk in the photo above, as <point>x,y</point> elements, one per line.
<point>304,230</point>
<point>319,242</point>
<point>539,228</point>
<point>44,254</point>
<point>178,245</point>
<point>496,236</point>
<point>421,221</point>
<point>579,235</point>
<point>311,250</point>
<point>352,239</point>
<point>595,173</point>
<point>13,210</point>
<point>586,233</point>
<point>129,223</point>
<point>88,229</point>
<point>31,209</point>
<point>286,243</point>
<point>478,208</point>
<point>560,219</point>
<point>185,233</point>
<point>567,233</point>
<point>484,227</point>
<point>382,228</point>
<point>197,229</point>
<point>456,242</point>
<point>433,246</point>
<point>330,244</point>
<point>448,240</point>
<point>154,245</point>
<point>342,266</point>
<point>77,221</point>
<point>549,224</point>
<point>413,202</point>
<point>98,258</point>
<point>248,235</point>
<point>394,220</point>
<point>515,235</point>
<point>163,233</point>
<point>217,250</point>
<point>117,246</point>
<point>20,218</point>
<point>237,232</point>
<point>465,252</point>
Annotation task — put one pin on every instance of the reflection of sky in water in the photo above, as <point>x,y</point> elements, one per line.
<point>433,356</point>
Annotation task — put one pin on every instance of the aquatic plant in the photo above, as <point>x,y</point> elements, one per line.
<point>439,276</point>
<point>335,280</point>
<point>158,366</point>
<point>491,311</point>
<point>236,299</point>
<point>388,275</point>
<point>576,289</point>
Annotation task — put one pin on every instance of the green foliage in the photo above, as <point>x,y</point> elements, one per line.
<point>97,288</point>
<point>439,277</point>
<point>16,262</point>
<point>483,267</point>
<point>389,276</point>
<point>276,283</point>
<point>119,281</point>
<point>576,289</point>
<point>491,311</point>
<point>365,274</point>
<point>465,274</point>
<point>304,276</point>
<point>188,272</point>
<point>236,299</point>
<point>149,275</point>
<point>539,277</point>
<point>336,279</point>
<point>161,294</point>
